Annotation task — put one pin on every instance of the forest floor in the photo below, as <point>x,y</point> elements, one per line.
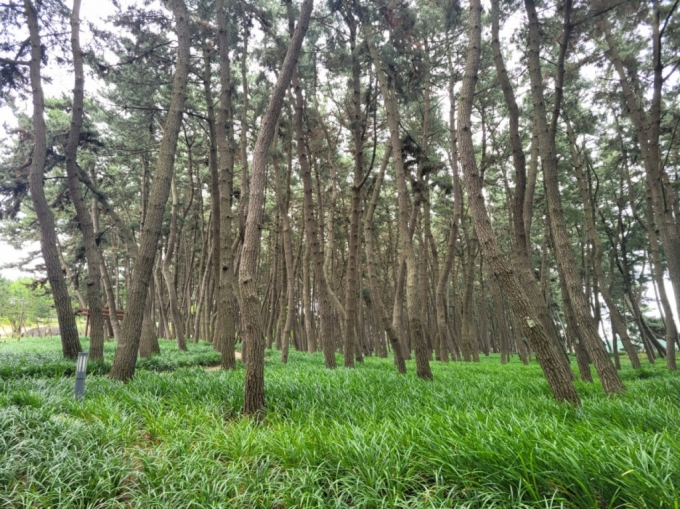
<point>479,435</point>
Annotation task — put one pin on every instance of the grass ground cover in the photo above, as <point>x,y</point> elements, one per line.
<point>479,435</point>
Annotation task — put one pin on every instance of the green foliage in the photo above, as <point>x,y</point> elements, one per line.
<point>41,357</point>
<point>480,435</point>
<point>23,303</point>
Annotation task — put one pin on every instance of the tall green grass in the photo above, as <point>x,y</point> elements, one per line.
<point>42,357</point>
<point>479,435</point>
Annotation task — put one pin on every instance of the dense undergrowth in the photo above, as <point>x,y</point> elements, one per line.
<point>480,435</point>
<point>41,357</point>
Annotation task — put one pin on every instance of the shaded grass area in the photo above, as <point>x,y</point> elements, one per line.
<point>480,435</point>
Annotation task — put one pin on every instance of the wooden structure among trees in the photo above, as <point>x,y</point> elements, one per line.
<point>105,314</point>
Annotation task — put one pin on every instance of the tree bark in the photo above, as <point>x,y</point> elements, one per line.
<point>558,376</point>
<point>250,306</point>
<point>70,342</point>
<point>564,255</point>
<point>148,344</point>
<point>126,353</point>
<point>413,302</point>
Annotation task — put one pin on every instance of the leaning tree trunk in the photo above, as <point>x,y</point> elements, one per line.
<point>558,375</point>
<point>564,255</point>
<point>250,304</point>
<point>82,214</point>
<point>376,295</point>
<point>571,331</point>
<point>591,230</point>
<point>70,343</point>
<point>414,304</point>
<point>168,276</point>
<point>126,353</point>
<point>522,207</point>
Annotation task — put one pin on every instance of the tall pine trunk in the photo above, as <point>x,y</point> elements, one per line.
<point>558,376</point>
<point>126,353</point>
<point>70,342</point>
<point>312,234</point>
<point>564,255</point>
<point>92,253</point>
<point>414,302</point>
<point>225,145</point>
<point>250,304</point>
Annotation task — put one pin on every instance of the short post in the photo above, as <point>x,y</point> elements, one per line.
<point>81,372</point>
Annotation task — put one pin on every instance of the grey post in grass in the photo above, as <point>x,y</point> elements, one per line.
<point>81,371</point>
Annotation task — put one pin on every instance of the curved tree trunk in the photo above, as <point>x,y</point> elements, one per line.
<point>70,342</point>
<point>84,219</point>
<point>414,303</point>
<point>558,376</point>
<point>126,353</point>
<point>564,255</point>
<point>250,304</point>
